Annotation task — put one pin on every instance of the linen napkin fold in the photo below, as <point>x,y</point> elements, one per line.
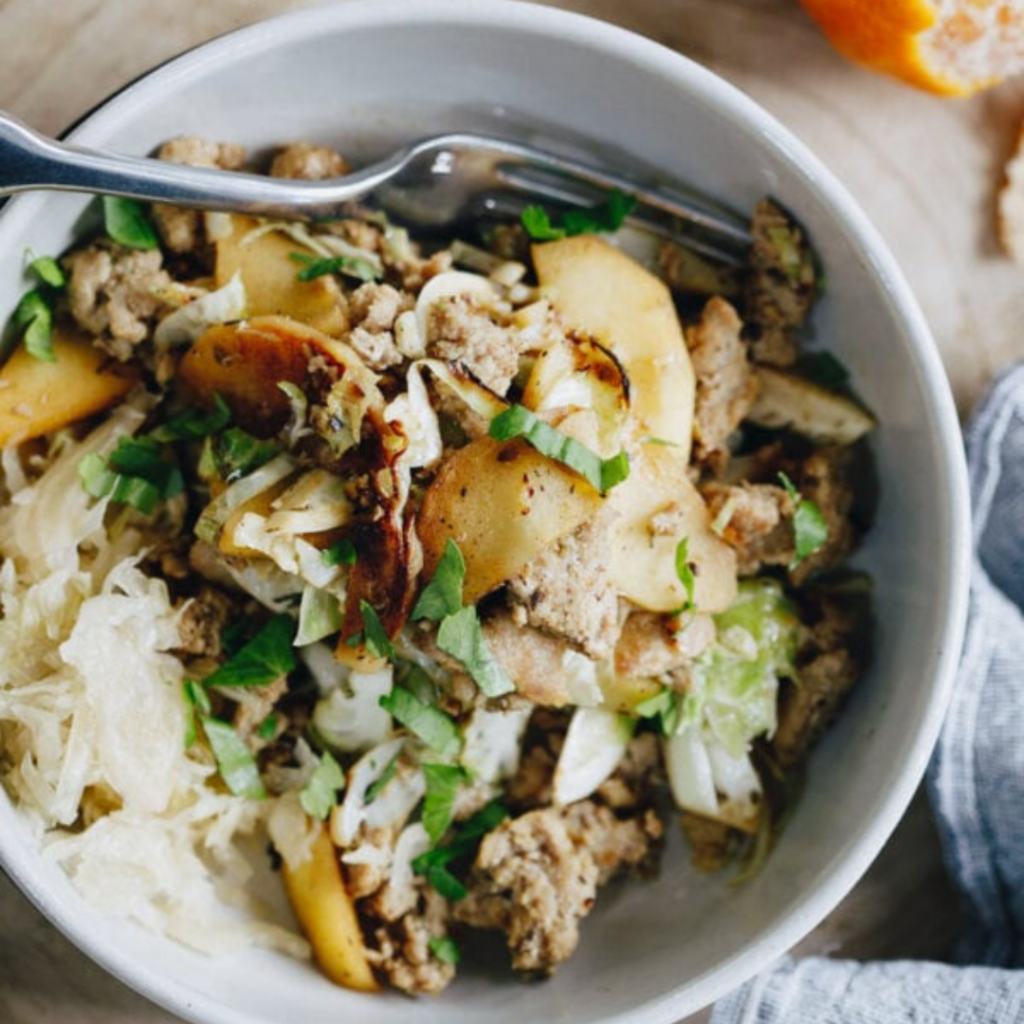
<point>975,785</point>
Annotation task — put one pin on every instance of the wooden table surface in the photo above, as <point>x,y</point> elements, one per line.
<point>925,170</point>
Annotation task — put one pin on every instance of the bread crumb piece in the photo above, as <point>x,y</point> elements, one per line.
<point>1010,218</point>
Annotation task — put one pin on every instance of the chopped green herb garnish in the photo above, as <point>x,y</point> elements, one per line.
<point>143,457</point>
<point>810,530</point>
<point>234,634</point>
<point>373,634</point>
<point>320,793</point>
<point>666,706</point>
<point>488,818</point>
<point>441,879</point>
<point>608,215</point>
<point>445,949</point>
<point>685,572</point>
<point>350,266</point>
<point>460,636</point>
<point>135,473</point>
<point>197,701</point>
<point>49,271</point>
<point>268,727</point>
<point>194,424</point>
<point>266,657</point>
<point>434,864</point>
<point>442,786</point>
<point>427,721</point>
<point>518,421</point>
<point>33,319</point>
<point>102,482</point>
<point>416,680</point>
<point>376,787</point>
<point>126,222</point>
<point>825,369</point>
<point>442,596</point>
<point>235,760</point>
<point>236,453</point>
<point>341,552</point>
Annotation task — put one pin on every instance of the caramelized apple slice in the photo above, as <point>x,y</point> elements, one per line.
<point>658,507</point>
<point>244,363</point>
<point>327,914</point>
<point>38,397</point>
<point>608,295</point>
<point>502,503</point>
<point>271,280</point>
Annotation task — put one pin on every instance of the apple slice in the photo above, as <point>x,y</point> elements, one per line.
<point>244,362</point>
<point>328,916</point>
<point>38,397</point>
<point>608,295</point>
<point>502,503</point>
<point>271,277</point>
<point>658,507</point>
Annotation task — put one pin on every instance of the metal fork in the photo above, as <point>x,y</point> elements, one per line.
<point>435,183</point>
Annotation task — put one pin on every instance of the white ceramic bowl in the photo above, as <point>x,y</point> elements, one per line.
<point>365,74</point>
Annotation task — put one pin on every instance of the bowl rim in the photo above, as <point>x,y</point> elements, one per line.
<point>731,103</point>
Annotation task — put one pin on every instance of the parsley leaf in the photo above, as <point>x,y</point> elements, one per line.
<point>434,864</point>
<point>810,530</point>
<point>488,818</point>
<point>320,793</point>
<point>442,786</point>
<point>235,760</point>
<point>134,473</point>
<point>49,271</point>
<point>460,636</point>
<point>424,720</point>
<point>518,421</point>
<point>607,215</point>
<point>125,221</point>
<point>442,596</point>
<point>234,634</point>
<point>33,318</point>
<point>236,453</point>
<point>374,636</point>
<point>194,424</point>
<point>685,572</point>
<point>264,658</point>
<point>351,266</point>
<point>341,552</point>
<point>440,878</point>
<point>268,727</point>
<point>445,949</point>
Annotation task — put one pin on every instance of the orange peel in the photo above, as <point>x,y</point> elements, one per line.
<point>949,47</point>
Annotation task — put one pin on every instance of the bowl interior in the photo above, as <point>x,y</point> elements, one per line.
<point>365,75</point>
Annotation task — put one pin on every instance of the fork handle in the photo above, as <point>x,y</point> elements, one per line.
<point>29,160</point>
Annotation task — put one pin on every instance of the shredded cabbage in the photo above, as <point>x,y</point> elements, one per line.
<point>184,325</point>
<point>736,680</point>
<point>594,744</point>
<point>707,779</point>
<point>92,720</point>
